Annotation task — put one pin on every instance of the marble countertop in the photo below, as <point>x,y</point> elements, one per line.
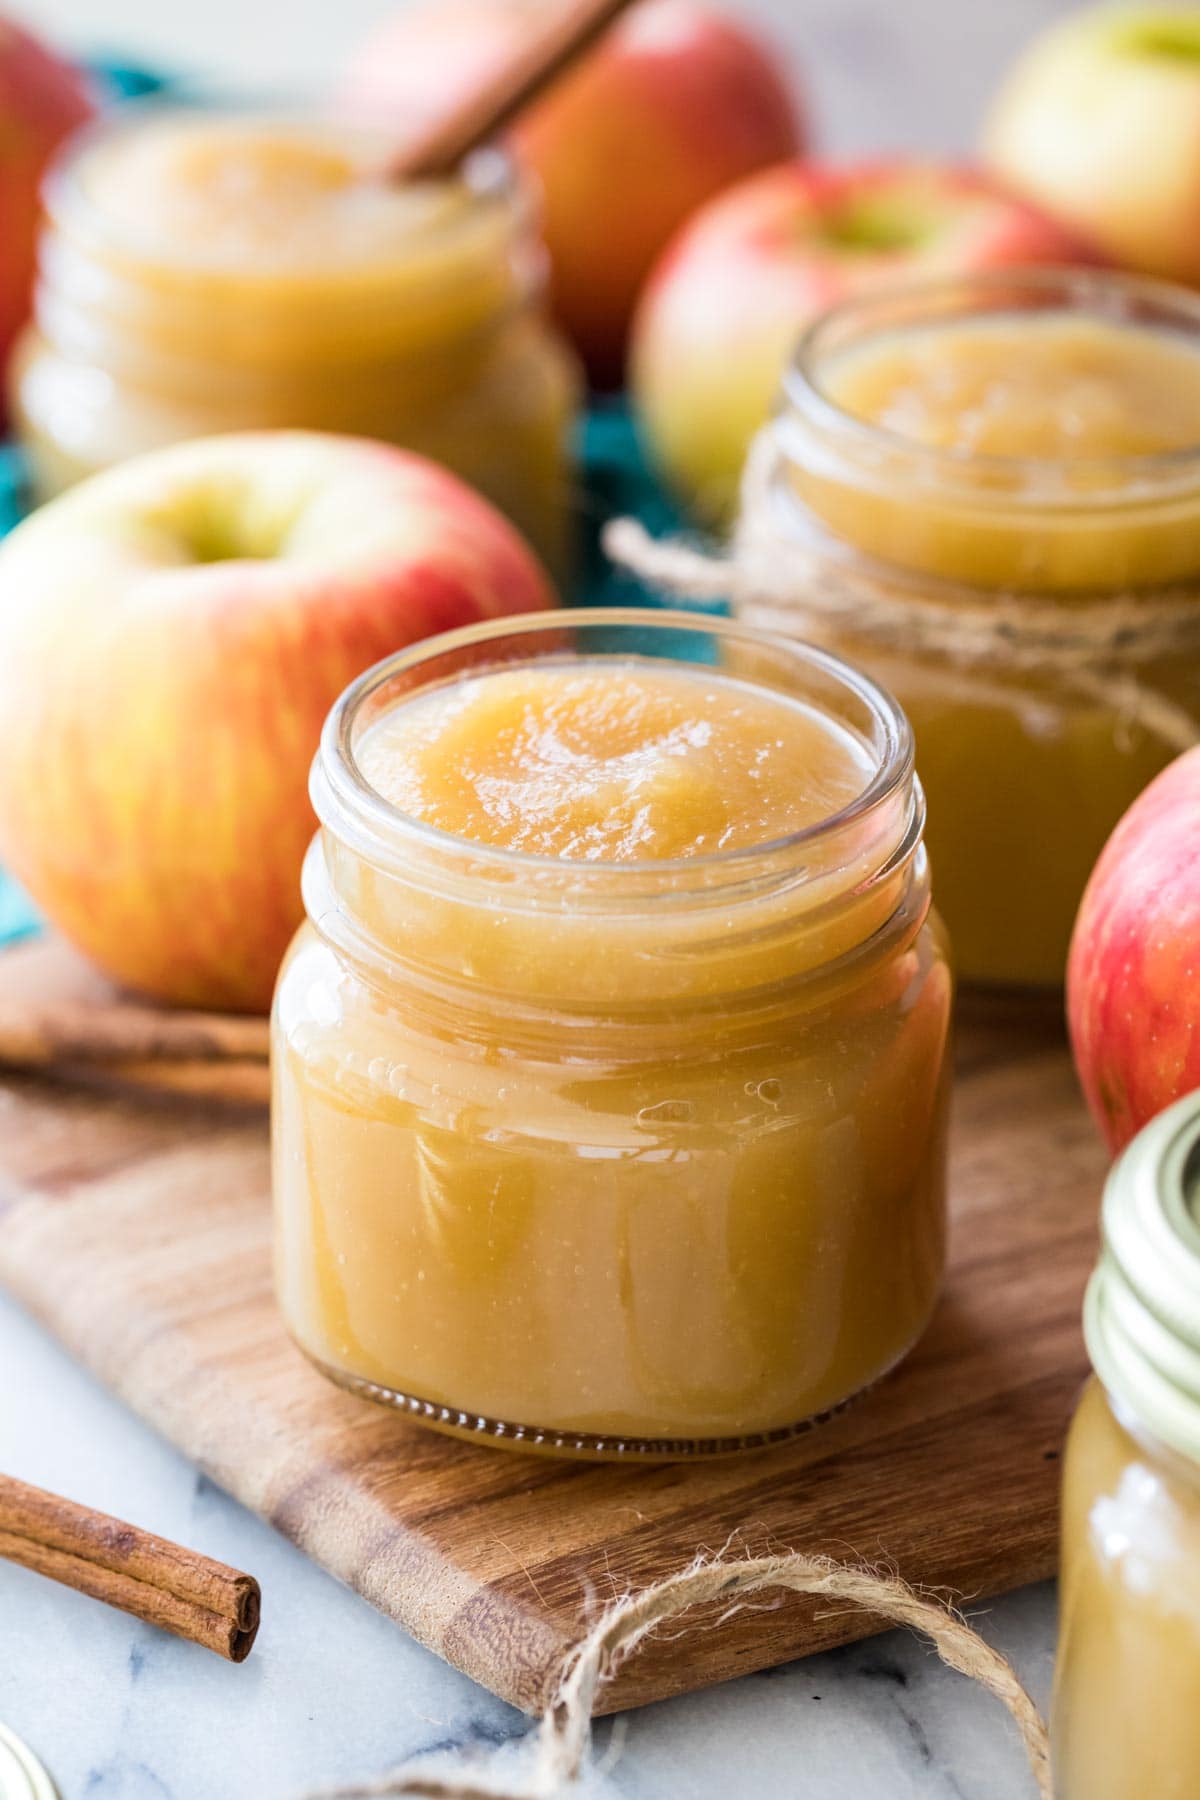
<point>334,1693</point>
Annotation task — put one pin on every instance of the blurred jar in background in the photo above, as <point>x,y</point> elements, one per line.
<point>214,271</point>
<point>966,477</point>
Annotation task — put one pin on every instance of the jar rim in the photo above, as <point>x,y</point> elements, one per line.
<point>1104,294</point>
<point>342,795</point>
<point>1142,1311</point>
<point>489,175</point>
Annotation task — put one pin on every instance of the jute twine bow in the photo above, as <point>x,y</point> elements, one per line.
<point>564,1733</point>
<point>783,580</point>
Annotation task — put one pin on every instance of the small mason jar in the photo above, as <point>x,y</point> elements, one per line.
<point>1126,1718</point>
<point>203,271</point>
<point>1029,755</point>
<point>613,1158</point>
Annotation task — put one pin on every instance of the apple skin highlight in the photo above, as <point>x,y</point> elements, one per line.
<point>172,635</point>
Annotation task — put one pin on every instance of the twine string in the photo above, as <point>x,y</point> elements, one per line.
<point>563,1736</point>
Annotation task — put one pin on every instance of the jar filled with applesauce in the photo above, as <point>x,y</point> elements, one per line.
<point>1126,1718</point>
<point>611,1064</point>
<point>987,492</point>
<point>203,271</point>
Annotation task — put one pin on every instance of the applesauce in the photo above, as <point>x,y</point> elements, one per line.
<point>611,1064</point>
<point>1006,455</point>
<point>1126,1716</point>
<point>203,272</point>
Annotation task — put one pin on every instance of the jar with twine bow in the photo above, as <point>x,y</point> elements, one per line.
<point>1038,616</point>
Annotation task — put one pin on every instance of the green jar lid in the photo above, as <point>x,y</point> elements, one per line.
<point>1142,1313</point>
<point>22,1776</point>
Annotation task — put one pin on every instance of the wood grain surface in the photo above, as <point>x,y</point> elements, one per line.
<point>138,1230</point>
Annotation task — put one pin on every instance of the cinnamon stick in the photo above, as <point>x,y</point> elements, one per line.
<point>35,1034</point>
<point>202,1055</point>
<point>148,1576</point>
<point>230,1083</point>
<point>569,28</point>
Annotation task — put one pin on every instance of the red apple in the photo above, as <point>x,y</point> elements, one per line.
<point>1133,980</point>
<point>172,635</point>
<point>1099,122</point>
<point>675,103</point>
<point>724,308</point>
<point>42,99</point>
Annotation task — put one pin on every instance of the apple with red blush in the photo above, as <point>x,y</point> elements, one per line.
<point>172,634</point>
<point>724,309</point>
<point>1133,978</point>
<point>675,102</point>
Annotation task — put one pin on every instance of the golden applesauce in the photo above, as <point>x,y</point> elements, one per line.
<point>203,272</point>
<point>610,1069</point>
<point>1017,456</point>
<point>1126,1719</point>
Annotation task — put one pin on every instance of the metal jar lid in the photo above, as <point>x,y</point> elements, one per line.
<point>22,1776</point>
<point>1142,1313</point>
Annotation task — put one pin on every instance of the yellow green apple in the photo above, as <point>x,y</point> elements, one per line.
<point>674,103</point>
<point>1099,122</point>
<point>724,308</point>
<point>172,634</point>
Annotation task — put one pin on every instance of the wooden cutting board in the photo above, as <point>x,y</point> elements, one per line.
<point>139,1230</point>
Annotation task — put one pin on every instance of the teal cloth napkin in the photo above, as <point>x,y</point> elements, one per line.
<point>17,916</point>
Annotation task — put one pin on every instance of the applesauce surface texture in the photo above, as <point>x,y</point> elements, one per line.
<point>1026,387</point>
<point>612,764</point>
<point>230,192</point>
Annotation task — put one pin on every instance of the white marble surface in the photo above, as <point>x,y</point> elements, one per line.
<point>333,1692</point>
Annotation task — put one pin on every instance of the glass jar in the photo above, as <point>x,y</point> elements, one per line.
<point>613,1158</point>
<point>1127,1689</point>
<point>1027,763</point>
<point>208,271</point>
